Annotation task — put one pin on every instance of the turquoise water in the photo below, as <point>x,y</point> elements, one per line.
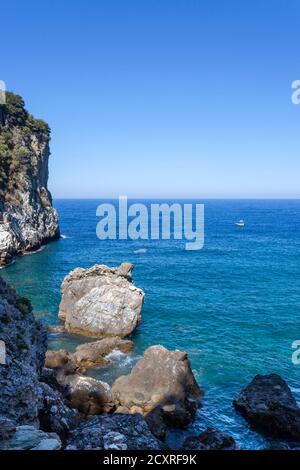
<point>233,306</point>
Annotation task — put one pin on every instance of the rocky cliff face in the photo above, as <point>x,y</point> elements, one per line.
<point>27,401</point>
<point>25,343</point>
<point>27,218</point>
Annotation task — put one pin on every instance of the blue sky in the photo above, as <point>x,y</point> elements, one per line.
<point>160,98</point>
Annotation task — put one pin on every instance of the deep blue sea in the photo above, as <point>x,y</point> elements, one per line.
<point>234,306</point>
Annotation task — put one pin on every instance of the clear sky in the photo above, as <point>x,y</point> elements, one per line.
<point>160,98</point>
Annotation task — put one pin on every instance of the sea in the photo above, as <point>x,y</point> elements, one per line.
<point>233,306</point>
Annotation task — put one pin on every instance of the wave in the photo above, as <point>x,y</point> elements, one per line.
<point>140,251</point>
<point>26,253</point>
<point>63,237</point>
<point>35,251</point>
<point>9,264</point>
<point>120,358</point>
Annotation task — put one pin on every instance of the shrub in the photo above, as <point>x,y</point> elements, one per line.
<point>21,152</point>
<point>14,109</point>
<point>23,304</point>
<point>5,319</point>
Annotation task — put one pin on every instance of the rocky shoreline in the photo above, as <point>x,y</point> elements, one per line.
<point>49,403</point>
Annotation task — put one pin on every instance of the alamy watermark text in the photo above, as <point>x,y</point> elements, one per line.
<point>138,221</point>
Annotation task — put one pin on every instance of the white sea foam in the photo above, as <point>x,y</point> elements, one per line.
<point>9,264</point>
<point>115,355</point>
<point>120,358</point>
<point>140,251</point>
<point>35,251</point>
<point>63,237</point>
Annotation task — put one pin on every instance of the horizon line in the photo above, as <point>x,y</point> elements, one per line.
<point>180,198</point>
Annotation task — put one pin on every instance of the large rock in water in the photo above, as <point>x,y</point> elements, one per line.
<point>101,301</point>
<point>27,218</point>
<point>161,379</point>
<point>269,406</point>
<point>115,432</point>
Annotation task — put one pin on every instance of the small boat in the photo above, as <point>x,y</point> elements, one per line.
<point>240,223</point>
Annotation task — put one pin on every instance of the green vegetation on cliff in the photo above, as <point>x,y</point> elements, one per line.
<point>16,115</point>
<point>22,141</point>
<point>27,218</point>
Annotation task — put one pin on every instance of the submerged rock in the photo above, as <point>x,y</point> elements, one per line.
<point>27,217</point>
<point>113,432</point>
<point>101,301</point>
<point>161,380</point>
<point>269,406</point>
<point>211,439</point>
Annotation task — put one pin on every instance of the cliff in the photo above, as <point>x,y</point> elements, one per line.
<point>27,218</point>
<point>31,408</point>
<point>25,342</point>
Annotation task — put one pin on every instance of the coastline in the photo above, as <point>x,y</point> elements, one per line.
<point>207,323</point>
<point>182,439</point>
<point>205,315</point>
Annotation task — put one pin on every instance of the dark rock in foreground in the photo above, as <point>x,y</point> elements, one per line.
<point>30,438</point>
<point>211,439</point>
<point>27,401</point>
<point>25,342</point>
<point>7,428</point>
<point>279,446</point>
<point>55,415</point>
<point>114,432</point>
<point>269,406</point>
